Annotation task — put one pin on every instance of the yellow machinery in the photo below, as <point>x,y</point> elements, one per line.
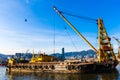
<point>105,49</point>
<point>45,58</point>
<point>42,58</point>
<point>11,61</point>
<point>33,57</point>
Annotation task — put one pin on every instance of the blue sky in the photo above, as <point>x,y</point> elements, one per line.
<point>37,33</point>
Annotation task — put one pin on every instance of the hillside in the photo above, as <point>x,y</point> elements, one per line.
<point>77,55</point>
<point>3,57</point>
<point>68,55</point>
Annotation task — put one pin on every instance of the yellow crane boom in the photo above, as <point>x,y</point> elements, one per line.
<point>75,29</point>
<point>105,49</point>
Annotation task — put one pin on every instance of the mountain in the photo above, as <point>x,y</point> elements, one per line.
<point>77,55</point>
<point>67,55</point>
<point>3,57</point>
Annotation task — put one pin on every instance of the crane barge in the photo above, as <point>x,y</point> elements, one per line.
<point>43,63</point>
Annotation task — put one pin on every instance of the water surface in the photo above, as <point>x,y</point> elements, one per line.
<point>58,76</point>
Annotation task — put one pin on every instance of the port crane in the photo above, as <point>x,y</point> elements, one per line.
<point>118,41</point>
<point>105,49</point>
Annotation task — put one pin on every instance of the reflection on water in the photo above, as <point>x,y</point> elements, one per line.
<point>3,74</point>
<point>50,76</point>
<point>58,76</point>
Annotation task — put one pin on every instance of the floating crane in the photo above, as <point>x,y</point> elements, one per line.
<point>45,63</point>
<point>105,49</point>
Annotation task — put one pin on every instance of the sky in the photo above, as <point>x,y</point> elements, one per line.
<point>45,30</point>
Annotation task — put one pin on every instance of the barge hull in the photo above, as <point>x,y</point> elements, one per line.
<point>61,67</point>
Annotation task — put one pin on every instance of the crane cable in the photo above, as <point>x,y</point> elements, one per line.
<point>67,31</point>
<point>81,17</point>
<point>54,36</point>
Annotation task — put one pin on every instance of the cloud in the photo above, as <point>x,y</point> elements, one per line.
<point>18,41</point>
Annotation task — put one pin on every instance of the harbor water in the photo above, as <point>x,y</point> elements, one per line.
<point>58,76</point>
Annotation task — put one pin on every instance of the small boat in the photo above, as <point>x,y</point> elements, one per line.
<point>1,64</point>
